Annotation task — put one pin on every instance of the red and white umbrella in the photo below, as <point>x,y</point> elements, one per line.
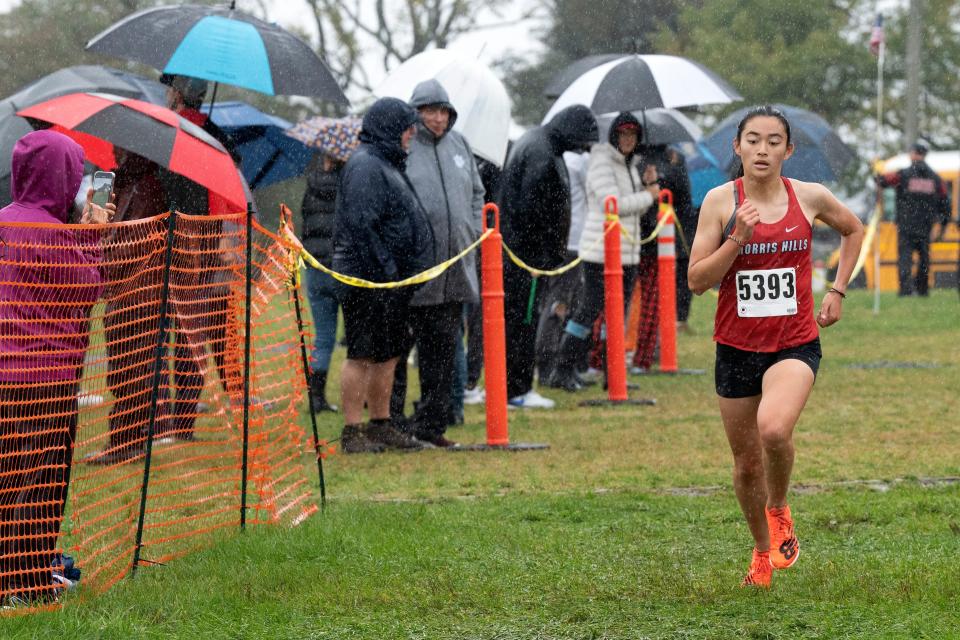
<point>100,121</point>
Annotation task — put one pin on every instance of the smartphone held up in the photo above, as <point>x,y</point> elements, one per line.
<point>102,187</point>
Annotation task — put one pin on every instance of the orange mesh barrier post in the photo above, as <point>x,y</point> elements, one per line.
<point>80,315</point>
<point>285,217</point>
<point>667,284</point>
<point>247,343</point>
<point>161,342</point>
<point>494,331</point>
<point>613,303</point>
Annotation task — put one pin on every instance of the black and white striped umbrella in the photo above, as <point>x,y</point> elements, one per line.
<point>636,82</point>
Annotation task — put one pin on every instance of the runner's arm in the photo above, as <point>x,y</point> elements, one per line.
<point>712,254</point>
<point>837,216</point>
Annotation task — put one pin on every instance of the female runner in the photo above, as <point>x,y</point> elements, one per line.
<point>754,239</point>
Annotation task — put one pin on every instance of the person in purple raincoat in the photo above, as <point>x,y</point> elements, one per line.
<point>49,281</point>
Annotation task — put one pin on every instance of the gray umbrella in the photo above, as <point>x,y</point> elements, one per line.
<point>60,83</point>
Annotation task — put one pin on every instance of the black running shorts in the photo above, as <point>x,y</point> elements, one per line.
<point>739,374</point>
<point>375,321</point>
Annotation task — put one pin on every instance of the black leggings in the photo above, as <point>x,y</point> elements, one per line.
<point>38,424</point>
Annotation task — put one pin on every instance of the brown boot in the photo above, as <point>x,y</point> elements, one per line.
<point>383,432</point>
<point>354,440</point>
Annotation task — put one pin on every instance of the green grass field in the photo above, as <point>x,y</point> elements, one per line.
<point>626,528</point>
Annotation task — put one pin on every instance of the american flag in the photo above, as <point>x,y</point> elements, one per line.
<point>876,36</point>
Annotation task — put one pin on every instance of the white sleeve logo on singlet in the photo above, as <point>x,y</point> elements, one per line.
<point>763,293</point>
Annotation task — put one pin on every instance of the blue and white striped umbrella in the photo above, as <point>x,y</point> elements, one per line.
<point>220,44</point>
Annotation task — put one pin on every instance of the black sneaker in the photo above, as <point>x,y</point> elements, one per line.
<point>354,440</point>
<point>566,380</point>
<point>386,434</point>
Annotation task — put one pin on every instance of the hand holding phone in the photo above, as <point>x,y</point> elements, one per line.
<point>99,208</point>
<point>103,187</point>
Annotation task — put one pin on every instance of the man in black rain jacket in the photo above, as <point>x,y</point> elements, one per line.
<point>535,223</point>
<point>922,199</point>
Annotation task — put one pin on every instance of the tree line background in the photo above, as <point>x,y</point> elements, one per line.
<point>809,54</point>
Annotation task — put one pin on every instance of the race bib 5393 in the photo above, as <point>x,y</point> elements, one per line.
<point>762,293</point>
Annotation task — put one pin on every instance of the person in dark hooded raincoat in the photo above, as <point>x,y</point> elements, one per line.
<point>382,235</point>
<point>50,281</point>
<point>535,222</point>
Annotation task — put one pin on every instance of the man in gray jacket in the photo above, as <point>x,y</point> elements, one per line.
<point>445,177</point>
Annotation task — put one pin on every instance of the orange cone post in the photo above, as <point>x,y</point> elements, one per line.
<point>667,284</point>
<point>613,303</point>
<point>494,333</point>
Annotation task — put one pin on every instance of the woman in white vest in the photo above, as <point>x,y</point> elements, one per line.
<point>613,172</point>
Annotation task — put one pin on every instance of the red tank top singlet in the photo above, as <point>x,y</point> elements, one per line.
<point>766,298</point>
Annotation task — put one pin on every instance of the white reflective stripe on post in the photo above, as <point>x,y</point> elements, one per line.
<point>665,241</point>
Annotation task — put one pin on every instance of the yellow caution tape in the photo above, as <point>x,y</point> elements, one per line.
<point>540,272</point>
<point>553,272</point>
<point>420,278</point>
<point>661,223</point>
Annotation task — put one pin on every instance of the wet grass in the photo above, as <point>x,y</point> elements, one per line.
<point>591,539</point>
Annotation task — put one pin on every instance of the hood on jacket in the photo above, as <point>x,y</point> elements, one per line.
<point>46,170</point>
<point>573,129</point>
<point>431,92</point>
<point>383,127</point>
<point>625,118</point>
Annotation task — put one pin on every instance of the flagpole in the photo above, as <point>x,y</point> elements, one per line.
<point>876,236</point>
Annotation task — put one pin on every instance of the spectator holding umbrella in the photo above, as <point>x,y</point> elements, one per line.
<point>336,138</point>
<point>131,318</point>
<point>185,96</point>
<point>381,233</point>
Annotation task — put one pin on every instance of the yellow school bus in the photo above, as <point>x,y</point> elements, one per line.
<point>944,254</point>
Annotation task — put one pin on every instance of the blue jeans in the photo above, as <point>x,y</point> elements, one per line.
<point>321,292</point>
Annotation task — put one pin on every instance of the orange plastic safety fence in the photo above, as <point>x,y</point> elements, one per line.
<point>80,316</point>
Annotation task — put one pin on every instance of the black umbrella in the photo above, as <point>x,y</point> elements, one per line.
<point>574,70</point>
<point>60,83</point>
<point>819,154</point>
<point>222,45</point>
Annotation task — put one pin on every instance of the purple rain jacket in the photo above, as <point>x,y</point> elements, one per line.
<point>49,273</point>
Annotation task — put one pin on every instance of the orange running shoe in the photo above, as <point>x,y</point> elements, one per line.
<point>784,546</point>
<point>760,572</point>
